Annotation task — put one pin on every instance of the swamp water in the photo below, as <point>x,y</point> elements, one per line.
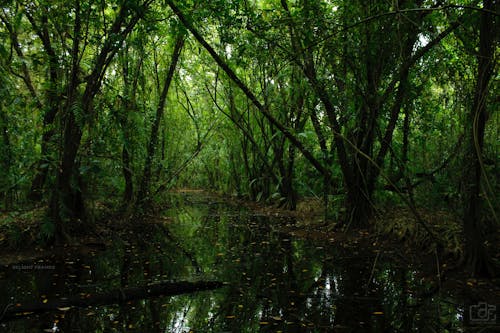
<point>275,282</point>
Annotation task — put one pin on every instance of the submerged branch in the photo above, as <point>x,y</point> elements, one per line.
<point>110,297</point>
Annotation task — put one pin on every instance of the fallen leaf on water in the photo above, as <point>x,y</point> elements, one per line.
<point>66,308</point>
<point>230,317</point>
<point>378,313</point>
<point>263,322</point>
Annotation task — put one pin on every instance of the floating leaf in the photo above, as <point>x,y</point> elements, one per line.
<point>66,308</point>
<point>378,313</point>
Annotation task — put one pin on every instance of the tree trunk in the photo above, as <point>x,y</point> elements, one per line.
<point>52,101</point>
<point>128,194</point>
<point>144,191</point>
<point>6,154</point>
<point>245,89</point>
<point>476,256</point>
<point>63,204</point>
<point>66,203</point>
<point>129,105</point>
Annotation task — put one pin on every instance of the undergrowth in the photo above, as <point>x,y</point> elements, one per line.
<point>404,226</point>
<point>18,228</point>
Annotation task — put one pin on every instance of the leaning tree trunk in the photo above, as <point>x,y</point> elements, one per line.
<point>476,256</point>
<point>144,191</point>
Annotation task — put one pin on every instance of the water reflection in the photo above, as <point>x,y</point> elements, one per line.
<point>276,283</point>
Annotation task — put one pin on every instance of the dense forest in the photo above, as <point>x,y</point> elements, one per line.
<point>369,105</point>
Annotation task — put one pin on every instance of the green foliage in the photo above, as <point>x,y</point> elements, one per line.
<point>47,230</point>
<point>340,77</point>
<point>10,231</point>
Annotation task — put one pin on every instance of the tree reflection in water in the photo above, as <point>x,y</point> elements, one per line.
<point>275,282</point>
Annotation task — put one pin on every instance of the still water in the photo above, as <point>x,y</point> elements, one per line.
<point>275,282</point>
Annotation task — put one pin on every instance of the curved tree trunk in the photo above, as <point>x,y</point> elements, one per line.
<point>476,256</point>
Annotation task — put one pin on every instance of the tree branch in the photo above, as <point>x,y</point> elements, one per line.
<point>244,88</point>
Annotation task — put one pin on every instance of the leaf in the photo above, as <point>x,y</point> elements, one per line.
<point>65,308</point>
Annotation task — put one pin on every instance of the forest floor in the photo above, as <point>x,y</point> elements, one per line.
<point>21,240</point>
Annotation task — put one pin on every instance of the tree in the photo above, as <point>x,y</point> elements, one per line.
<point>144,191</point>
<point>67,202</point>
<point>478,260</point>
